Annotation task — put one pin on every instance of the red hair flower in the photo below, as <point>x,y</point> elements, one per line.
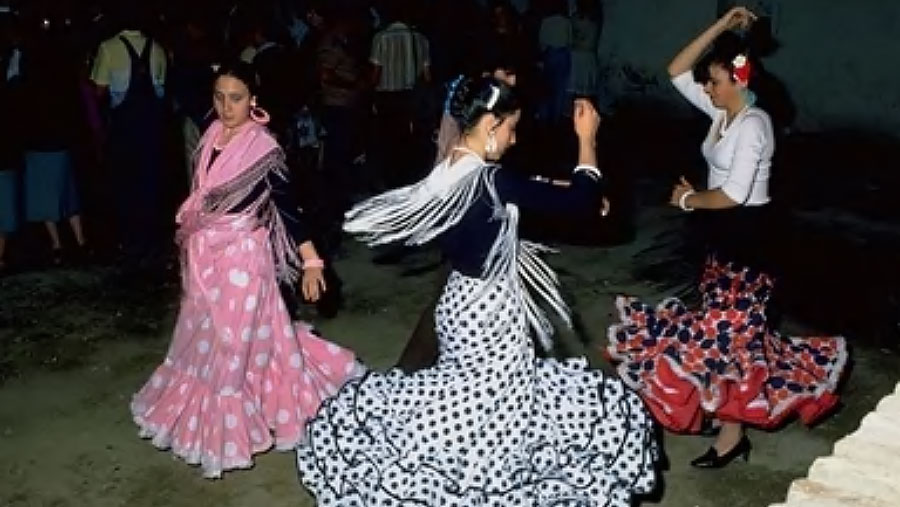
<point>741,69</point>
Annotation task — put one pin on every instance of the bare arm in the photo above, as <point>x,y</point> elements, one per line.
<point>687,57</point>
<point>587,122</point>
<point>710,199</point>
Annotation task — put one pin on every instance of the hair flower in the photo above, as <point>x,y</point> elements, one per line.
<point>741,69</point>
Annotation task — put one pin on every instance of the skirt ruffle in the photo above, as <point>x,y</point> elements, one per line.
<point>723,360</point>
<point>489,425</point>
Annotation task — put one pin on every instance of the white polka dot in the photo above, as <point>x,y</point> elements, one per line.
<point>296,360</point>
<point>231,250</point>
<point>203,347</point>
<point>333,349</point>
<point>283,416</point>
<point>230,449</point>
<point>227,391</point>
<point>329,388</point>
<point>264,332</point>
<point>288,331</point>
<point>268,386</point>
<point>256,436</point>
<point>157,381</point>
<point>246,335</point>
<point>227,335</point>
<point>183,389</point>
<point>239,278</point>
<point>350,368</point>
<point>250,303</point>
<point>214,294</point>
<point>325,369</point>
<point>231,421</point>
<point>207,322</point>
<point>262,359</point>
<point>249,408</point>
<point>192,423</point>
<point>234,364</point>
<point>208,272</point>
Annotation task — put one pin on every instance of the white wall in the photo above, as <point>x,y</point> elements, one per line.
<point>840,59</point>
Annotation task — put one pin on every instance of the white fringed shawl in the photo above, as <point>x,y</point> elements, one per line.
<point>418,213</point>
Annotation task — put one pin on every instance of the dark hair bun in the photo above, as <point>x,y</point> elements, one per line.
<point>472,98</point>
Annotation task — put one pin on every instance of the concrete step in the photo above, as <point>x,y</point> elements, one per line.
<point>864,469</point>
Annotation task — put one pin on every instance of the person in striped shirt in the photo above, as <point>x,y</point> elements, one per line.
<point>400,61</point>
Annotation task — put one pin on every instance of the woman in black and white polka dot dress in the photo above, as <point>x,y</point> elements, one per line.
<point>490,424</point>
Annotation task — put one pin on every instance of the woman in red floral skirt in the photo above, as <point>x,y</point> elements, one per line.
<point>723,364</point>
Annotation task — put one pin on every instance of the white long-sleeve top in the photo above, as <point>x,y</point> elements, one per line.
<point>739,156</point>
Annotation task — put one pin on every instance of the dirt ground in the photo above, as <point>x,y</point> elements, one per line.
<point>74,346</point>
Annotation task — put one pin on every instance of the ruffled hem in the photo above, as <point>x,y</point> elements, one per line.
<point>220,431</point>
<point>675,403</point>
<point>679,400</point>
<point>360,453</point>
<point>197,437</point>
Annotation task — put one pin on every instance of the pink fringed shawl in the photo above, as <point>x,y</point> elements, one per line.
<point>240,167</point>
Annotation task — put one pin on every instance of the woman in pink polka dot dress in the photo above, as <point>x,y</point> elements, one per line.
<point>240,376</point>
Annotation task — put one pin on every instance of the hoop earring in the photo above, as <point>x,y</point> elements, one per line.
<point>259,115</point>
<point>491,145</point>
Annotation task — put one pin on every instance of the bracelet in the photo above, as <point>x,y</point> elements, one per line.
<point>591,171</point>
<point>313,264</point>
<point>682,201</point>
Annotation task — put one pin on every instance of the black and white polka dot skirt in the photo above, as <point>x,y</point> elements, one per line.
<point>489,425</point>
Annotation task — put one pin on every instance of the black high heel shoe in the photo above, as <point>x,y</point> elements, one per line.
<point>712,459</point>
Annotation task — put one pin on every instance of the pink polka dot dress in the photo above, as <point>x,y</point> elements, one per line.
<point>240,377</point>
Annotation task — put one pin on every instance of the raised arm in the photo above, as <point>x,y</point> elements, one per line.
<point>737,17</point>
<point>581,194</point>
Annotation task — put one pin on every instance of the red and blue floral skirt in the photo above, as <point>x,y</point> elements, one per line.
<point>723,360</point>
